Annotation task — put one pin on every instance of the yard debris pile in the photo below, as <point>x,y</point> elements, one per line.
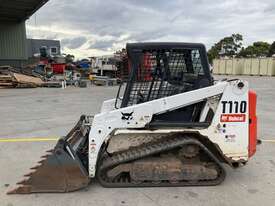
<point>48,71</point>
<point>14,78</point>
<point>6,81</point>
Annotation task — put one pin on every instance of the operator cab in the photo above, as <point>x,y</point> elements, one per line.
<point>160,70</point>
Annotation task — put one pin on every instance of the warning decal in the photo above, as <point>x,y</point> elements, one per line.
<point>233,118</point>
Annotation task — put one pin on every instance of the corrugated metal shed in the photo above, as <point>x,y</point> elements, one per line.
<point>13,45</point>
<point>13,41</point>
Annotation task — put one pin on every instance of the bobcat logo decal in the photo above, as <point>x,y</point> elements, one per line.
<point>127,116</point>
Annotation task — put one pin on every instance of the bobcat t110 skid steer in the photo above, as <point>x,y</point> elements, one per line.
<point>172,126</point>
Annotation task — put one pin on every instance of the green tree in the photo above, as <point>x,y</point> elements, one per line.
<point>231,45</point>
<point>246,52</point>
<point>271,49</point>
<point>228,46</point>
<point>69,58</point>
<point>258,49</point>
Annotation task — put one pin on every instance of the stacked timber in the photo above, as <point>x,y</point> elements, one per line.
<point>10,79</point>
<point>25,81</point>
<point>6,81</point>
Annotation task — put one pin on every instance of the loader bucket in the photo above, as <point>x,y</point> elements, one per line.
<point>63,169</point>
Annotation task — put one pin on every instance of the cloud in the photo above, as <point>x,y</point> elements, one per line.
<point>102,45</point>
<point>73,43</point>
<point>95,27</point>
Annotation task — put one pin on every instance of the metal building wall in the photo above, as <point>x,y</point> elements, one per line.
<point>13,45</point>
<point>34,45</point>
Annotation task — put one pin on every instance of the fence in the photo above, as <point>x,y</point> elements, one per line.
<point>245,66</point>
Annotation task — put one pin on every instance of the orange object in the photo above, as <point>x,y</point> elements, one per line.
<point>252,123</point>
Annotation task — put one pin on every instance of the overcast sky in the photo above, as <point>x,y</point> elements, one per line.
<point>97,27</point>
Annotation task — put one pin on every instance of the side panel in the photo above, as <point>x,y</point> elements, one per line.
<point>230,125</point>
<point>108,105</point>
<point>139,115</point>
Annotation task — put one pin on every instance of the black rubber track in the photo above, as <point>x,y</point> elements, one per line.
<point>149,149</point>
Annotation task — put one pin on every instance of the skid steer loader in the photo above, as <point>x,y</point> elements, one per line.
<point>173,126</point>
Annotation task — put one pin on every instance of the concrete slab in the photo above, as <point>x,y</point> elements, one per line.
<point>52,112</point>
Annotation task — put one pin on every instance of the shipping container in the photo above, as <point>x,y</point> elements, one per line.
<point>255,66</point>
<point>245,66</point>
<point>272,70</point>
<point>222,66</point>
<point>238,65</point>
<point>263,67</point>
<point>228,66</point>
<point>216,66</point>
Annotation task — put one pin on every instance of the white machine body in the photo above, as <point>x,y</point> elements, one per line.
<point>229,128</point>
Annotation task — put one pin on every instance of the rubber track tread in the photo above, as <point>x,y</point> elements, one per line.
<point>149,149</point>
